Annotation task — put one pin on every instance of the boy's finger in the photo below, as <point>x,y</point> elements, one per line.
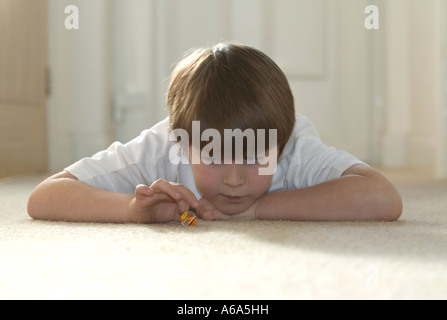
<point>176,191</point>
<point>143,189</point>
<point>165,187</point>
<point>189,197</point>
<point>205,206</point>
<point>182,206</point>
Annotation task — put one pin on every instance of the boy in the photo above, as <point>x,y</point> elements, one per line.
<point>221,89</point>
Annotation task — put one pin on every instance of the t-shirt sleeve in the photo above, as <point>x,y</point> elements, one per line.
<point>121,167</point>
<point>311,162</point>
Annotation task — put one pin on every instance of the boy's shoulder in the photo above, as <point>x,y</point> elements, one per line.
<point>157,135</point>
<point>304,126</point>
<point>161,128</point>
<point>303,133</point>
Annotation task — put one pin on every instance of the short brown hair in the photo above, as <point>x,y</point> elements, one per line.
<point>231,86</point>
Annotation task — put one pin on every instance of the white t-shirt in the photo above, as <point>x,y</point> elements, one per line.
<point>305,162</point>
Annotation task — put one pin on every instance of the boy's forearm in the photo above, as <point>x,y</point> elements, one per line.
<point>67,199</point>
<point>350,197</point>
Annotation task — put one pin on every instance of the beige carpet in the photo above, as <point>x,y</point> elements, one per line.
<point>227,260</point>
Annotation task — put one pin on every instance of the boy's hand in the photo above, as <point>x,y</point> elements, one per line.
<point>163,201</point>
<point>208,211</point>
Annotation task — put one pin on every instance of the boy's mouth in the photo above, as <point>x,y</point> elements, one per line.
<point>232,198</point>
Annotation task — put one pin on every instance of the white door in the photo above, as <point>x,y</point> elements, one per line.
<point>321,45</point>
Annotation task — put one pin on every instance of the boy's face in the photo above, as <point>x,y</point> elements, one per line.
<point>232,188</point>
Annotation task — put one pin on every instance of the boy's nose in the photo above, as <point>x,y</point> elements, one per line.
<point>234,175</point>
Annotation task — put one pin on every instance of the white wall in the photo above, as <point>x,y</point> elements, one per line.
<point>415,120</point>
<point>378,94</point>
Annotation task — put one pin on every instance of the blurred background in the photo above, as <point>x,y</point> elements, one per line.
<point>68,93</point>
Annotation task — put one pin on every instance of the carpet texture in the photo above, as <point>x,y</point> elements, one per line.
<point>406,259</point>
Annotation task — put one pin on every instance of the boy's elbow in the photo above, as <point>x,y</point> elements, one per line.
<point>390,204</point>
<point>385,202</point>
<point>45,196</point>
<point>33,206</point>
<point>38,202</point>
<point>394,209</point>
<point>32,211</point>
